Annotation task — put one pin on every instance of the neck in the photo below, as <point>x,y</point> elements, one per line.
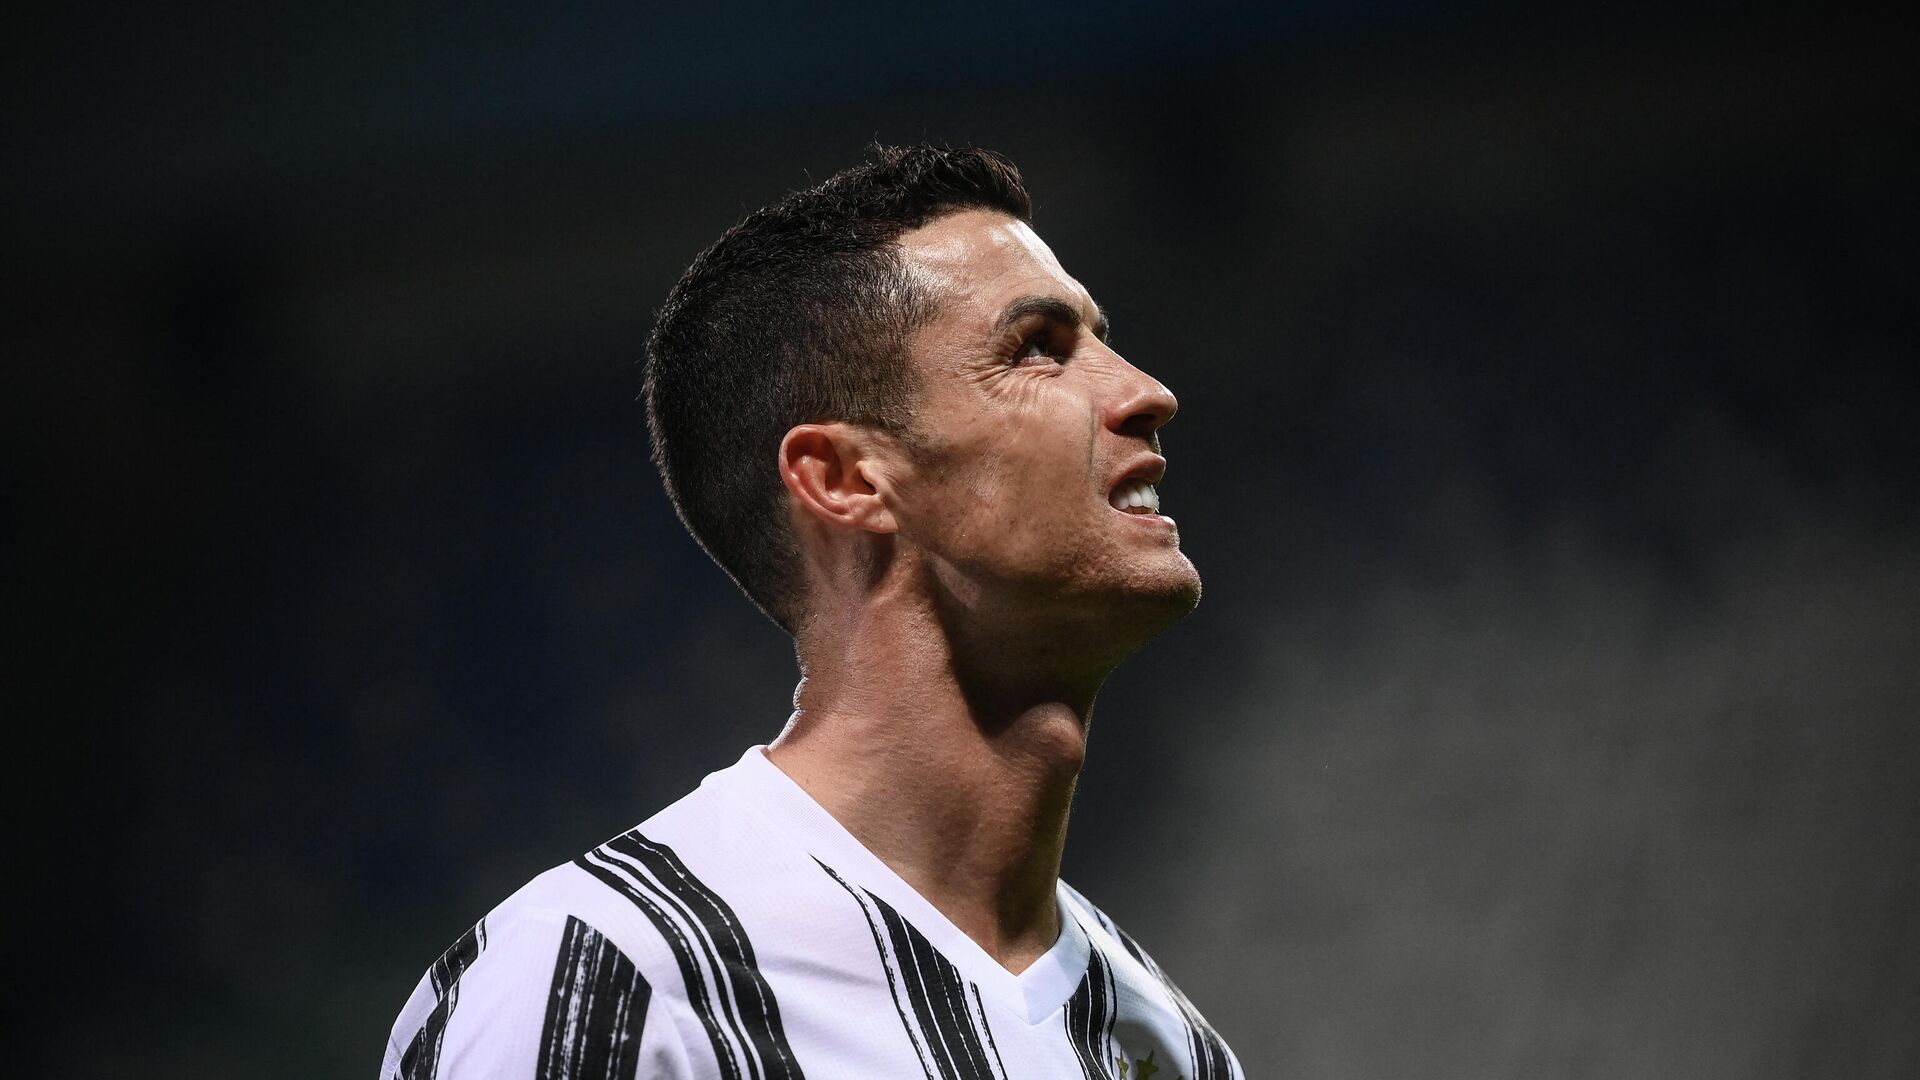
<point>958,782</point>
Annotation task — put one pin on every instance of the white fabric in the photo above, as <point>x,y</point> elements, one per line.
<point>816,960</point>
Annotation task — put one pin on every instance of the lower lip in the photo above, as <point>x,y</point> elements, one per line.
<point>1157,521</point>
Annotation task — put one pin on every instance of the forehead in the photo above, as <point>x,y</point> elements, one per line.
<point>978,260</point>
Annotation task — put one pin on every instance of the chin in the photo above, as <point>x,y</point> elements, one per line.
<point>1176,579</point>
<point>1157,601</point>
<point>1127,601</point>
<point>1179,597</point>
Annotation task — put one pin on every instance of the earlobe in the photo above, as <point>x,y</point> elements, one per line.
<point>829,471</point>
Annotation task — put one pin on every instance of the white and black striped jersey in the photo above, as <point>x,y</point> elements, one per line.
<point>743,934</point>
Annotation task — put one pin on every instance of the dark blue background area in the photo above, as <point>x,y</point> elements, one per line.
<point>1545,443</point>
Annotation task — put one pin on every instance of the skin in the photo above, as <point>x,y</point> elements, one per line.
<point>971,588</point>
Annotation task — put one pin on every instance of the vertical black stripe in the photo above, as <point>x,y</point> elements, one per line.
<point>1078,1008</point>
<point>1090,1016</point>
<point>422,1058</point>
<point>759,1012</point>
<point>690,972</point>
<point>893,983</point>
<point>1210,1058</point>
<point>1113,1009</point>
<point>698,937</point>
<point>934,990</point>
<point>916,989</point>
<point>951,1008</point>
<point>1111,1054</point>
<point>596,1009</point>
<point>985,1027</point>
<point>939,999</point>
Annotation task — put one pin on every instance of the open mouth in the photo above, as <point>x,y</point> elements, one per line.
<point>1135,497</point>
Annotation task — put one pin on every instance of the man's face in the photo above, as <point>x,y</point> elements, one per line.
<point>1030,430</point>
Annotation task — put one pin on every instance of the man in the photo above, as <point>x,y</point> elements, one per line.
<point>887,411</point>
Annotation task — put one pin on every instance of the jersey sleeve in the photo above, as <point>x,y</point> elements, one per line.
<point>542,996</point>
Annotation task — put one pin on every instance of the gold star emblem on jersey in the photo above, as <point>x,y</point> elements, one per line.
<point>1139,1069</point>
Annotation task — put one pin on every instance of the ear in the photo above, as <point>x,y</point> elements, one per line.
<point>834,472</point>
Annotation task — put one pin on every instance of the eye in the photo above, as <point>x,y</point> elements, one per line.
<point>1037,346</point>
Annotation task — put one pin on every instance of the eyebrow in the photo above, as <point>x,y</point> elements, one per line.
<point>1053,309</point>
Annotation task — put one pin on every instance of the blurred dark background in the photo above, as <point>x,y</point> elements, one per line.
<point>1547,444</point>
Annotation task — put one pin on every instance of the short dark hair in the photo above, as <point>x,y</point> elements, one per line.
<point>798,314</point>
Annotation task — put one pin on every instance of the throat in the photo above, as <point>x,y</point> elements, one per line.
<point>976,826</point>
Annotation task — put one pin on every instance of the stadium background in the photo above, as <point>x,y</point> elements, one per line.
<point>1547,445</point>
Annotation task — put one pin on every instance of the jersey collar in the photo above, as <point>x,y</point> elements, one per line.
<point>1036,993</point>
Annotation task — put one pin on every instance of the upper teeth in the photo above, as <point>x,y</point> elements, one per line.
<point>1136,493</point>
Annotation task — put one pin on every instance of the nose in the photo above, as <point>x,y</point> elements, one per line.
<point>1142,404</point>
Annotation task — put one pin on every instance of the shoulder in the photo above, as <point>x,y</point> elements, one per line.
<point>1108,937</point>
<point>1107,934</point>
<point>604,960</point>
<point>1098,925</point>
<point>540,986</point>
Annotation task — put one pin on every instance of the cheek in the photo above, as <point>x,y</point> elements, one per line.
<point>1006,479</point>
<point>1001,509</point>
<point>1035,471</point>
